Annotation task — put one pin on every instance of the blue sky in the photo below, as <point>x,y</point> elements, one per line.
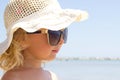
<point>99,36</point>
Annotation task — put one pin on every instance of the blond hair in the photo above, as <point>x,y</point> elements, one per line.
<point>13,57</point>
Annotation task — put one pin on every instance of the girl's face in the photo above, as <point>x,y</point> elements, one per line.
<point>39,48</point>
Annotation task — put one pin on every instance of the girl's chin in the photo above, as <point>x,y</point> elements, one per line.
<point>51,57</point>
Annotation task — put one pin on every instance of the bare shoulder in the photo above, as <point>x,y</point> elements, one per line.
<point>9,75</point>
<point>53,75</point>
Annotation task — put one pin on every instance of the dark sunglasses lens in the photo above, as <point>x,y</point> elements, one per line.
<point>65,34</point>
<point>54,37</point>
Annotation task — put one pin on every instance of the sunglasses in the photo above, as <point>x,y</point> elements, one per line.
<point>53,36</point>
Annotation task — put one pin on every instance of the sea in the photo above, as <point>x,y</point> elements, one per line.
<point>84,69</point>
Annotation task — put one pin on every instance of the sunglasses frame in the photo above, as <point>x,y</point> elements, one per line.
<point>45,31</point>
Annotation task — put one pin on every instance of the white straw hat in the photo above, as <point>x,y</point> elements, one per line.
<point>32,15</point>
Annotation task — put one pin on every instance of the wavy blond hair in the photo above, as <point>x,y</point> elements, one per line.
<point>13,57</point>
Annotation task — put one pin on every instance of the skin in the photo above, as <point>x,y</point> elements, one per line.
<point>36,50</point>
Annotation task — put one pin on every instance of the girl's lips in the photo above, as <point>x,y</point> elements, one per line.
<point>55,51</point>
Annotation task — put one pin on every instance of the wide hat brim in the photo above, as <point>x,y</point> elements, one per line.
<point>53,21</point>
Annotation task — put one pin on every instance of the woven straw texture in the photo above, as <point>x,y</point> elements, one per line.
<point>18,9</point>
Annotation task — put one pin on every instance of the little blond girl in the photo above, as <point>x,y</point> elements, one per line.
<point>36,30</point>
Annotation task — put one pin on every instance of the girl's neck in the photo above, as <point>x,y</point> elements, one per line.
<point>33,64</point>
<point>30,61</point>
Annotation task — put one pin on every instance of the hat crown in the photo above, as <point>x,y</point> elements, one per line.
<point>17,9</point>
